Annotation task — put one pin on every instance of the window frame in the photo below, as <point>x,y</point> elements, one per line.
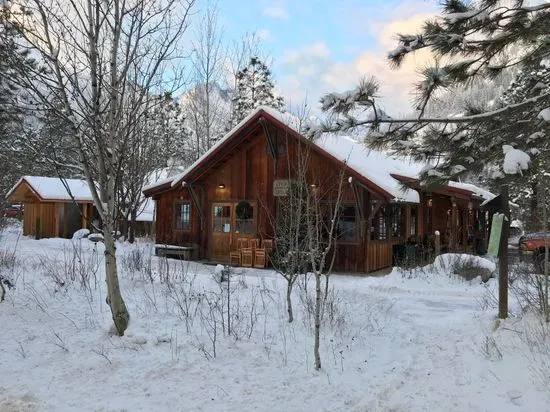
<point>180,202</point>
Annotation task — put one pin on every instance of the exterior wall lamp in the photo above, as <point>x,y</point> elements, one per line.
<point>221,186</point>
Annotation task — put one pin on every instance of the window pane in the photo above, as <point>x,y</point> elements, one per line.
<point>246,226</point>
<point>347,228</point>
<point>182,216</point>
<point>413,221</point>
<point>397,222</point>
<point>222,219</point>
<point>382,224</point>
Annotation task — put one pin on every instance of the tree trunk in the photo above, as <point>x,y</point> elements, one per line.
<point>120,314</point>
<point>132,226</point>
<point>289,301</point>
<point>503,256</point>
<point>317,320</point>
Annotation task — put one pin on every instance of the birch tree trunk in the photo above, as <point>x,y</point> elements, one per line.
<point>121,317</point>
<point>289,301</point>
<point>317,320</point>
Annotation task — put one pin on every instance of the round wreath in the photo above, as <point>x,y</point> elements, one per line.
<point>244,210</point>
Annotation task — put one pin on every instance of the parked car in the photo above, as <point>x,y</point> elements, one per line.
<point>534,244</point>
<point>12,211</point>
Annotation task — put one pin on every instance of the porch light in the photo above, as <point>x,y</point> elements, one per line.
<point>430,202</point>
<point>221,186</point>
<point>313,185</point>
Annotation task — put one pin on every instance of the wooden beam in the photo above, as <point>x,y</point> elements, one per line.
<point>197,205</point>
<point>84,215</point>
<point>65,222</point>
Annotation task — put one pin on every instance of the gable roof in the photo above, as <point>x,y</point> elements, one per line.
<point>375,169</point>
<point>52,188</point>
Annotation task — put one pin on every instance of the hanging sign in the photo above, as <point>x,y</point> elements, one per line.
<point>496,234</point>
<point>280,187</point>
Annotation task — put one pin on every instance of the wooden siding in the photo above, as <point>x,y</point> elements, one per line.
<point>50,219</point>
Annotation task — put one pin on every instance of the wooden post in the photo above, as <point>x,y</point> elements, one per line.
<point>454,226</point>
<point>84,215</point>
<point>65,220</point>
<point>503,255</point>
<point>56,219</point>
<point>437,243</point>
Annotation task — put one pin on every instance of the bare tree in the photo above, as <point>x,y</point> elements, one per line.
<point>94,53</point>
<point>322,234</point>
<point>206,108</point>
<point>289,257</point>
<point>157,139</point>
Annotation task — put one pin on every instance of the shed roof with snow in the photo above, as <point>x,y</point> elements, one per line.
<point>50,189</point>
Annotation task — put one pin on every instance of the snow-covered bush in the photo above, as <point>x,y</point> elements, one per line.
<point>8,264</point>
<point>468,267</point>
<point>74,265</point>
<point>138,263</point>
<point>528,286</point>
<point>81,234</point>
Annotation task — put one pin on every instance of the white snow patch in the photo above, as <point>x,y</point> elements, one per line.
<point>515,160</point>
<point>81,234</point>
<point>545,114</point>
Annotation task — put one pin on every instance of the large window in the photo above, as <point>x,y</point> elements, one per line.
<point>182,216</point>
<point>347,224</point>
<point>397,222</point>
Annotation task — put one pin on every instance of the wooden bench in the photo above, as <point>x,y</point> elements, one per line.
<point>184,252</point>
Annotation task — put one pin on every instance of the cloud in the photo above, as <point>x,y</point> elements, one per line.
<point>313,72</point>
<point>276,12</point>
<point>318,50</point>
<point>265,35</point>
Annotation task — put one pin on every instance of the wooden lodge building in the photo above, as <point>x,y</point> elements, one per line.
<point>49,210</point>
<point>383,206</point>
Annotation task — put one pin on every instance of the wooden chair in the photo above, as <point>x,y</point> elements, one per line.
<point>249,252</point>
<point>236,255</point>
<point>261,254</point>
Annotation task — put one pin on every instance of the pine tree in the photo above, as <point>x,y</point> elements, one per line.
<point>255,88</point>
<point>479,40</point>
<point>15,159</point>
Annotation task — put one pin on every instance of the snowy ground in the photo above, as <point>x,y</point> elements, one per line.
<point>404,342</point>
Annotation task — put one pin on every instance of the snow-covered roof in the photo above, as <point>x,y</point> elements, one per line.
<point>146,212</point>
<point>476,190</point>
<point>52,188</point>
<point>375,166</point>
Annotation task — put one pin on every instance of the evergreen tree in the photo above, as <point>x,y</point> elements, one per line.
<point>255,88</point>
<point>15,158</point>
<point>479,40</point>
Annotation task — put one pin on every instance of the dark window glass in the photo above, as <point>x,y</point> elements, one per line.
<point>182,216</point>
<point>347,224</point>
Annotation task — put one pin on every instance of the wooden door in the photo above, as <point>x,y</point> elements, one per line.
<point>221,228</point>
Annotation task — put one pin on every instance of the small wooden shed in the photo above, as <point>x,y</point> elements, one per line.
<point>53,207</point>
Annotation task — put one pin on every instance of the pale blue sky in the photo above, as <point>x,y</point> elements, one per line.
<point>322,46</point>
